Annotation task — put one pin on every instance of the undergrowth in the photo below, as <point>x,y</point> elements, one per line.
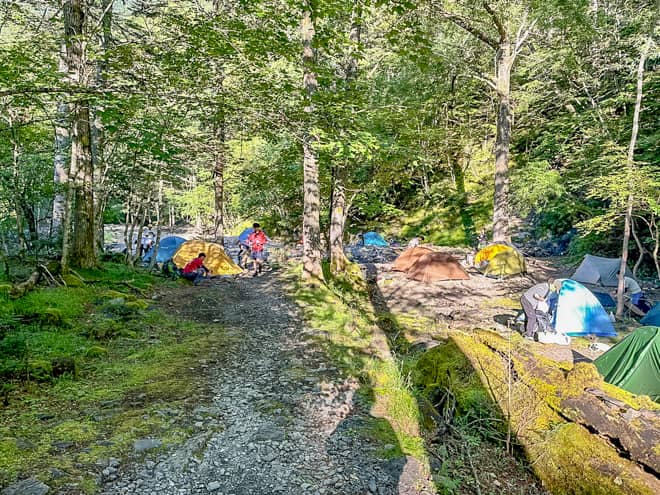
<point>87,370</point>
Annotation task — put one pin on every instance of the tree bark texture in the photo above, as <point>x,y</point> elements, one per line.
<point>504,61</point>
<point>78,249</point>
<point>631,185</point>
<point>98,130</point>
<point>311,192</point>
<point>62,144</point>
<point>338,211</point>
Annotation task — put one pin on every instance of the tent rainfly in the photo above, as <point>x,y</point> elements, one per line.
<point>597,270</point>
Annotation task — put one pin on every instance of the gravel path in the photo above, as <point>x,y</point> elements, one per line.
<point>282,420</point>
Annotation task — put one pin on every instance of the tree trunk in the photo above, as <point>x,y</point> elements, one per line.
<point>159,221</point>
<point>504,61</point>
<point>62,143</point>
<point>78,250</point>
<point>219,177</point>
<point>311,193</point>
<point>631,185</point>
<point>338,260</point>
<point>98,130</point>
<point>338,211</point>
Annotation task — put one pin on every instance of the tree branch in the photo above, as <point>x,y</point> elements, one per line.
<point>464,24</point>
<point>498,22</point>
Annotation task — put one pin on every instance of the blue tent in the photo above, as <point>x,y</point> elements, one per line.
<point>243,237</point>
<point>578,312</point>
<point>374,239</point>
<point>652,318</point>
<point>166,249</point>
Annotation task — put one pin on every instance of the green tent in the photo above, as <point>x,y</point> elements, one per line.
<point>634,363</point>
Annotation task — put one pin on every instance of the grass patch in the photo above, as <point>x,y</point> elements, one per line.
<point>128,383</point>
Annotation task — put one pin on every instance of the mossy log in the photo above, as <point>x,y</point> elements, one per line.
<point>634,432</point>
<point>574,437</point>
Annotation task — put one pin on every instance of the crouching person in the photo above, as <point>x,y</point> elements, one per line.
<point>195,270</point>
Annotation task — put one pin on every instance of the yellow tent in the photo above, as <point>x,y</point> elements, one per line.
<point>487,253</point>
<point>216,259</point>
<point>500,260</point>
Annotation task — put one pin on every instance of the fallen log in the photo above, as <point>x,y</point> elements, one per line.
<point>633,432</point>
<point>582,435</point>
<point>22,288</point>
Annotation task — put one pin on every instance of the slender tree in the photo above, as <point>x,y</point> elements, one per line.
<point>338,206</point>
<point>630,164</point>
<point>506,48</point>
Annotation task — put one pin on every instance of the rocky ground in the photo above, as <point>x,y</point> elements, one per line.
<point>282,419</point>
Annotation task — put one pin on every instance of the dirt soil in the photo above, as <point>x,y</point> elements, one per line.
<point>478,303</point>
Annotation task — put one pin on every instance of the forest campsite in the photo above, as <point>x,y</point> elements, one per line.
<point>329,247</point>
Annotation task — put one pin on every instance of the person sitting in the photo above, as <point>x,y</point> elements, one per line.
<point>195,269</point>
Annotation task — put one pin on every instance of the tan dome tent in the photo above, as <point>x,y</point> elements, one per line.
<point>433,267</point>
<point>216,260</point>
<point>409,257</point>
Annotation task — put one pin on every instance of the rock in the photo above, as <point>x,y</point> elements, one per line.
<point>56,473</point>
<point>213,486</point>
<point>269,433</point>
<point>146,444</point>
<point>30,486</point>
<point>372,485</point>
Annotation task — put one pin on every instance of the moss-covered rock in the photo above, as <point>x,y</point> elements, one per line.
<point>72,280</point>
<point>53,317</point>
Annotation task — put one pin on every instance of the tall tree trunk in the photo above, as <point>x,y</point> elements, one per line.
<point>219,177</point>
<point>79,249</point>
<point>338,211</point>
<point>61,157</point>
<point>18,193</point>
<point>504,62</point>
<point>311,193</point>
<point>631,170</point>
<point>98,130</point>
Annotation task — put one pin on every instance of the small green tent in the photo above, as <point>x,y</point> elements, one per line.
<point>634,363</point>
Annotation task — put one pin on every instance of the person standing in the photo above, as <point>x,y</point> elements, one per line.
<point>257,241</point>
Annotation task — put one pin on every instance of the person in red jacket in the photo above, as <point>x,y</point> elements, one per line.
<point>195,269</point>
<point>257,241</point>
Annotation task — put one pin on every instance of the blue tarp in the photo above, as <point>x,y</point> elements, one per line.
<point>243,237</point>
<point>579,313</point>
<point>166,249</point>
<point>652,317</point>
<point>374,239</point>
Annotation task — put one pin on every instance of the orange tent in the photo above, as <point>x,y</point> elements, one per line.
<point>409,257</point>
<point>437,266</point>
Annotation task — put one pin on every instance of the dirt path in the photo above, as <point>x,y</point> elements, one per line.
<point>282,419</point>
